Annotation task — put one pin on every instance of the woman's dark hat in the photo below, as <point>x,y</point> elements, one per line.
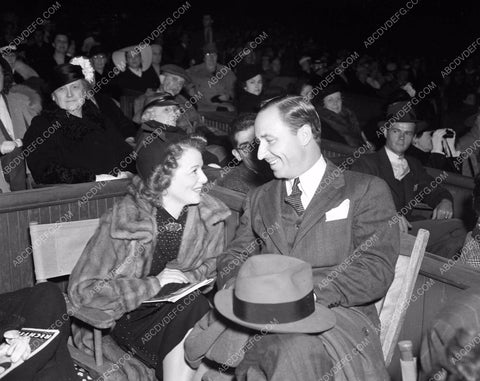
<point>65,74</point>
<point>152,151</point>
<point>335,87</point>
<point>96,50</point>
<point>160,99</point>
<point>246,72</point>
<point>275,293</point>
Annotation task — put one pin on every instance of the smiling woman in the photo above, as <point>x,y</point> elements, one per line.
<point>85,141</point>
<point>163,233</point>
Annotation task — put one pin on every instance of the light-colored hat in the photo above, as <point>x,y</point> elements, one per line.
<point>275,293</point>
<point>119,60</point>
<point>304,59</point>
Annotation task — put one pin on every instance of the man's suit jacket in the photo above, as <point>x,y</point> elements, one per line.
<point>418,185</point>
<point>352,250</point>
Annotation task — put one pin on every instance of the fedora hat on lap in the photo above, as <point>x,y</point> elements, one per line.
<point>275,292</point>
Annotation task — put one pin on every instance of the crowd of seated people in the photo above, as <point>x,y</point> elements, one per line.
<point>81,134</point>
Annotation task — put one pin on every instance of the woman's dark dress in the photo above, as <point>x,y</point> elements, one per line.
<point>343,127</point>
<point>152,331</point>
<point>62,148</point>
<point>248,102</point>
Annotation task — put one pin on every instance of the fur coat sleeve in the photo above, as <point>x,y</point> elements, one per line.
<point>111,274</point>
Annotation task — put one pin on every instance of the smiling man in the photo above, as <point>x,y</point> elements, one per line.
<point>410,184</point>
<point>338,223</point>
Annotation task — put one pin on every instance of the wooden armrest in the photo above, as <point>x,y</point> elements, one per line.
<point>92,316</point>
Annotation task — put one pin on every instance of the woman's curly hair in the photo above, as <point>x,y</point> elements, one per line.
<point>8,80</point>
<point>152,189</point>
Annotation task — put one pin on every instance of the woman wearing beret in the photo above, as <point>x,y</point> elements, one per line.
<point>250,85</point>
<point>163,231</point>
<point>73,141</point>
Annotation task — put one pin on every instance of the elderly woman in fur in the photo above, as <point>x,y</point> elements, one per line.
<point>163,233</point>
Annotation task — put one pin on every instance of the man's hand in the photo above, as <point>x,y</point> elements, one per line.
<point>404,224</point>
<point>437,140</point>
<point>443,210</point>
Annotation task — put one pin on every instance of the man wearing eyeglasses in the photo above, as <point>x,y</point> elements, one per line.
<point>245,171</point>
<point>411,185</point>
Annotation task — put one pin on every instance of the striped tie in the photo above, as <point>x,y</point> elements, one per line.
<point>295,199</point>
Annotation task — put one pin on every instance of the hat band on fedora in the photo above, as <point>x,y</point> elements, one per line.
<point>264,313</point>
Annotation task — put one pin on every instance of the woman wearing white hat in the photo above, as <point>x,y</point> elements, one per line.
<point>137,73</point>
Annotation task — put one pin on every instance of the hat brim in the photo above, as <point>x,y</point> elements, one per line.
<point>118,57</point>
<point>321,320</point>
<point>169,70</point>
<point>382,123</point>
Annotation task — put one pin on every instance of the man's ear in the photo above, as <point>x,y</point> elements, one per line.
<point>305,134</point>
<point>236,154</point>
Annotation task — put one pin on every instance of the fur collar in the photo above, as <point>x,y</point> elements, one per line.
<point>134,218</point>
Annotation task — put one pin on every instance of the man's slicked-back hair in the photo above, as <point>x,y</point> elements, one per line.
<point>296,111</point>
<point>241,123</point>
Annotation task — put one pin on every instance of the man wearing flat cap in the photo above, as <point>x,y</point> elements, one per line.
<point>335,221</point>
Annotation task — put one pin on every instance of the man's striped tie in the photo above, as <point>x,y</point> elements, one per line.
<point>295,199</point>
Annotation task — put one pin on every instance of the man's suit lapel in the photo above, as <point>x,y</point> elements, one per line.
<point>409,183</point>
<point>386,173</point>
<point>327,196</point>
<point>270,206</point>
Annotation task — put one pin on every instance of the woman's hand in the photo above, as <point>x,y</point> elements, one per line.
<point>172,276</point>
<point>16,348</point>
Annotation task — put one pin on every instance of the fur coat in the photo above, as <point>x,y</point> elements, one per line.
<point>111,274</point>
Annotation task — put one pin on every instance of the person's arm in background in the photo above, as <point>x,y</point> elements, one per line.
<point>468,139</point>
<point>434,194</point>
<point>24,70</point>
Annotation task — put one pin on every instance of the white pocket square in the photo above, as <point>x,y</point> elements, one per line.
<point>338,213</point>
